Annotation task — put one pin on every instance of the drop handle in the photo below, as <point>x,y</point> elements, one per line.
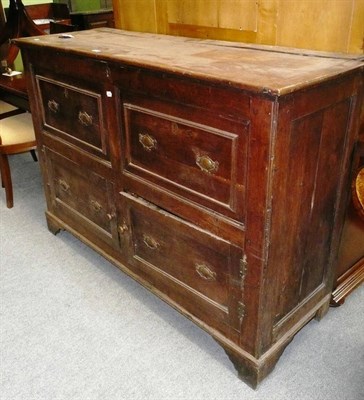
<point>147,141</point>
<point>96,205</point>
<point>110,216</point>
<point>53,106</point>
<point>84,118</point>
<point>64,185</point>
<point>150,242</point>
<point>123,228</point>
<point>205,272</point>
<point>206,164</point>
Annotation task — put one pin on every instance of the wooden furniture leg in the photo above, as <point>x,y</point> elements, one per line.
<point>6,180</point>
<point>34,155</point>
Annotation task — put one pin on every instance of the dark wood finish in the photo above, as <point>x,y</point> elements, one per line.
<point>349,272</point>
<point>349,280</point>
<point>93,19</point>
<point>50,10</point>
<point>350,264</point>
<point>61,27</point>
<point>215,174</point>
<point>18,24</point>
<point>44,14</point>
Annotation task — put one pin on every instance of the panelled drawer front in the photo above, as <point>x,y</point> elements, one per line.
<point>74,114</point>
<point>81,193</point>
<point>176,254</point>
<point>202,161</point>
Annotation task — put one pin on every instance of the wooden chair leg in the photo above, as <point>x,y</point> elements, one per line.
<point>6,180</point>
<point>1,172</point>
<point>34,155</point>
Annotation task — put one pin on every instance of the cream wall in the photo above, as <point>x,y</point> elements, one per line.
<point>332,25</point>
<point>30,2</point>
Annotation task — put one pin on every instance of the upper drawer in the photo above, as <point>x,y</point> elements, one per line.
<point>187,151</point>
<point>73,114</point>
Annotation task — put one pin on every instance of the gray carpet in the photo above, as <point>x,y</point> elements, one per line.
<point>75,327</point>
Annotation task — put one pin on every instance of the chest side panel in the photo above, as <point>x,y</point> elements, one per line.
<point>315,137</point>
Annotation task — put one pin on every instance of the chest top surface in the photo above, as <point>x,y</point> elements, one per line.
<point>267,69</point>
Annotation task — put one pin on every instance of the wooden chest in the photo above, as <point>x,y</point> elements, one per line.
<point>215,174</point>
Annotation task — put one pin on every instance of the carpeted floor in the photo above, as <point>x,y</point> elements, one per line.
<point>74,327</point>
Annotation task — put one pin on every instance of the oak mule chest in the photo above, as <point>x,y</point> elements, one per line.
<point>215,174</point>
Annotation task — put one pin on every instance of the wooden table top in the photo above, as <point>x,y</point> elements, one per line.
<point>15,84</point>
<point>268,69</point>
<point>14,90</point>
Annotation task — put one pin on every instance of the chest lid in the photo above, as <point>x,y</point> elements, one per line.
<point>263,69</point>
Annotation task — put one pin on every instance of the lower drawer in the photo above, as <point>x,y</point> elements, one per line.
<point>196,269</point>
<point>81,197</point>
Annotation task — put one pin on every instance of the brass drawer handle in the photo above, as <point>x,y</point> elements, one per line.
<point>53,106</point>
<point>205,272</point>
<point>206,164</point>
<point>110,216</point>
<point>64,185</point>
<point>150,242</point>
<point>84,118</point>
<point>96,205</point>
<point>148,142</point>
<point>123,228</point>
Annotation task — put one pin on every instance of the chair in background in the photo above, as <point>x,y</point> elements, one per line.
<point>16,136</point>
<point>18,24</point>
<point>43,14</point>
<point>61,27</point>
<point>8,110</point>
